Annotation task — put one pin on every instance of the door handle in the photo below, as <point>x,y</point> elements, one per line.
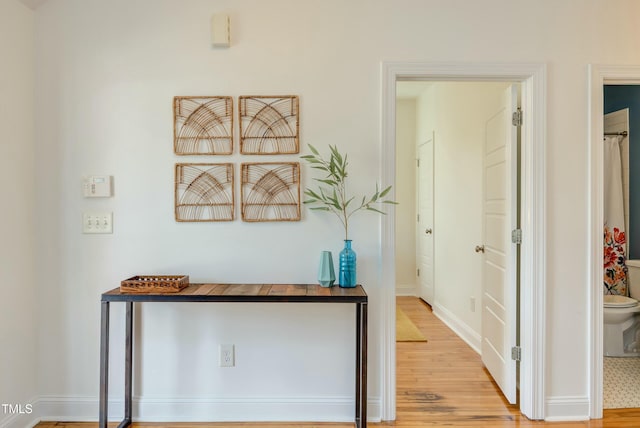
<point>428,231</point>
<point>479,248</point>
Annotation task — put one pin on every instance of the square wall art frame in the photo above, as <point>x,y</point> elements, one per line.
<point>270,191</point>
<point>204,192</point>
<point>269,125</point>
<point>203,125</point>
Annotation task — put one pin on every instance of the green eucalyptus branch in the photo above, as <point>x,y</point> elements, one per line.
<point>331,194</point>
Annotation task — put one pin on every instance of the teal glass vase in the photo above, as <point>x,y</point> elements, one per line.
<point>347,278</point>
<point>326,272</point>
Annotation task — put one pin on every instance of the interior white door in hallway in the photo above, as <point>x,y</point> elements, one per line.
<point>499,297</point>
<point>425,220</point>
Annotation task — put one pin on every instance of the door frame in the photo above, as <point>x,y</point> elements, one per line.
<point>532,77</point>
<point>598,76</point>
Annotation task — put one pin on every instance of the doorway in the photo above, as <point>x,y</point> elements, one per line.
<point>599,76</point>
<point>532,79</point>
<point>466,208</point>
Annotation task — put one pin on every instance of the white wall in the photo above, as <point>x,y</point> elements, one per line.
<point>457,112</point>
<point>406,197</point>
<point>18,311</point>
<point>106,73</point>
<point>106,77</point>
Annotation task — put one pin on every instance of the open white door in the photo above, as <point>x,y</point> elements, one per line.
<point>499,297</point>
<point>425,221</point>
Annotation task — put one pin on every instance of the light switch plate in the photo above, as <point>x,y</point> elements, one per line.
<point>97,222</point>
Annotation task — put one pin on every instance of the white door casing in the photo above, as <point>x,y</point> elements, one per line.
<point>532,77</point>
<point>499,267</point>
<point>425,230</point>
<point>599,75</point>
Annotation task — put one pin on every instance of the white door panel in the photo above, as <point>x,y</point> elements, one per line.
<point>499,258</point>
<point>425,224</point>
<point>492,276</point>
<point>495,185</point>
<point>495,235</point>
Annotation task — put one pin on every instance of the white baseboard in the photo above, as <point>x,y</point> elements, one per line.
<point>465,332</point>
<point>313,409</point>
<point>19,421</point>
<point>406,290</point>
<point>75,408</point>
<point>570,408</point>
<point>281,409</point>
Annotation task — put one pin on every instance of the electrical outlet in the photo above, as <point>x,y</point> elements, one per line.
<point>97,222</point>
<point>227,356</point>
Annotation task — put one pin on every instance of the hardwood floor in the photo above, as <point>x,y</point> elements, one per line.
<point>440,383</point>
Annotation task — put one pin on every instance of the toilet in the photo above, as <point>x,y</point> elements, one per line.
<point>622,318</point>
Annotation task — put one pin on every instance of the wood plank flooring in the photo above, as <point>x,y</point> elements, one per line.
<point>440,383</point>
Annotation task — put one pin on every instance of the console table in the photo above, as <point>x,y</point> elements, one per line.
<point>217,293</point>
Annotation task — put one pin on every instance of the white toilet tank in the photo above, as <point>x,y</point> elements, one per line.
<point>633,273</point>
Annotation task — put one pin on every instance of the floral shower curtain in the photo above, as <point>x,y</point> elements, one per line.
<point>615,269</point>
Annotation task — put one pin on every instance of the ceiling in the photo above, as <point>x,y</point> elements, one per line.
<point>33,4</point>
<point>407,89</point>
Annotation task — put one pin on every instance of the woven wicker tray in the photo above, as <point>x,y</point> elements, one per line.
<point>154,284</point>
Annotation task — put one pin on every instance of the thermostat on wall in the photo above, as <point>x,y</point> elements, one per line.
<point>97,186</point>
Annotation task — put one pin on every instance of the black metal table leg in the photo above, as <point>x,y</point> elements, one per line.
<point>358,365</point>
<point>128,365</point>
<point>361,365</point>
<point>104,365</point>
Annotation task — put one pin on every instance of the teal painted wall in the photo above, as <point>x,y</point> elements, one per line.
<point>617,97</point>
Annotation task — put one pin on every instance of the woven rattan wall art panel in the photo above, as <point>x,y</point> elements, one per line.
<point>204,192</point>
<point>270,191</point>
<point>269,125</point>
<point>203,125</point>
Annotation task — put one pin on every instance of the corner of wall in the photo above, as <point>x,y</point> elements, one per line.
<point>406,290</point>
<point>18,320</point>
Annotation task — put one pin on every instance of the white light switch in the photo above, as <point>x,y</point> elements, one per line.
<point>97,223</point>
<point>96,186</point>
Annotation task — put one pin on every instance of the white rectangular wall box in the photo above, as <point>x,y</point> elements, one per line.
<point>97,186</point>
<point>220,30</point>
<point>97,222</point>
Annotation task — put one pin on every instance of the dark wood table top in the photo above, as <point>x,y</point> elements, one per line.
<point>311,293</point>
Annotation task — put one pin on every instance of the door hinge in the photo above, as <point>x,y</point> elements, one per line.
<point>417,272</point>
<point>418,218</point>
<point>418,163</point>
<point>516,117</point>
<point>516,353</point>
<point>516,236</point>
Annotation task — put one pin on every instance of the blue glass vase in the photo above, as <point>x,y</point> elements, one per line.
<point>326,272</point>
<point>347,277</point>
